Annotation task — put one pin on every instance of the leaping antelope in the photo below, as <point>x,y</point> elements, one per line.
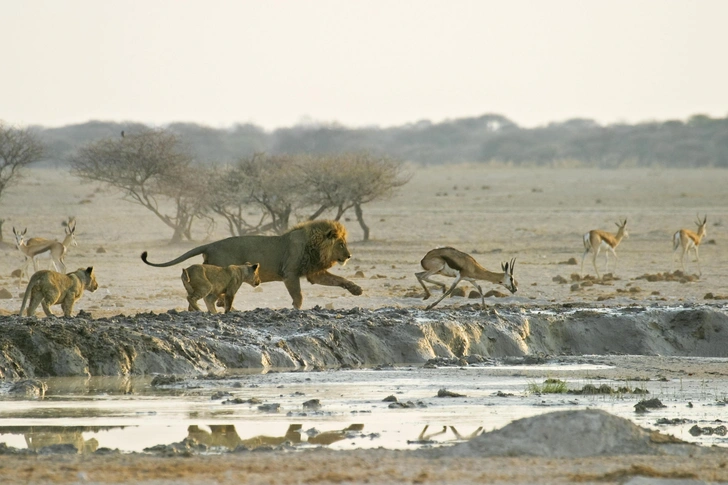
<point>461,266</point>
<point>688,240</point>
<point>39,247</point>
<point>595,240</point>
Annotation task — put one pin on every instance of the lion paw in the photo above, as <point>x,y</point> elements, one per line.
<point>355,290</point>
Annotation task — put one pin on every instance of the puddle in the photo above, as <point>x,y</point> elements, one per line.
<point>130,414</point>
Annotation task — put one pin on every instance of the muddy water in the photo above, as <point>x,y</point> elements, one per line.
<point>130,414</point>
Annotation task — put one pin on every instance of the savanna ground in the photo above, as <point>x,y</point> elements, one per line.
<point>495,213</point>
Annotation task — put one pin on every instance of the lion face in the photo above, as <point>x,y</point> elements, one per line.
<point>251,275</point>
<point>340,252</point>
<point>90,284</point>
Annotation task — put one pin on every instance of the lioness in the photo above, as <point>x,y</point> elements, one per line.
<point>213,282</point>
<point>51,288</point>
<point>309,249</point>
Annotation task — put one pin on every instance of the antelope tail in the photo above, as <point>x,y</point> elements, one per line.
<point>676,241</point>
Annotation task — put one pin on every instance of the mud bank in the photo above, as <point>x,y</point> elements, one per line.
<point>190,343</point>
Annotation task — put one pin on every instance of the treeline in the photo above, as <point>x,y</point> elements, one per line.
<point>700,141</point>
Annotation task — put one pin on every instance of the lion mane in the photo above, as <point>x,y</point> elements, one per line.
<point>308,249</point>
<point>319,252</point>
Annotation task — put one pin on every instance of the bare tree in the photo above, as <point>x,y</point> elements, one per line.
<point>148,166</point>
<point>274,185</point>
<point>328,185</point>
<point>230,195</point>
<point>350,180</point>
<point>18,149</point>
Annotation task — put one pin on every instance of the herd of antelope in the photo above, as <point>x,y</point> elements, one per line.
<point>455,264</point>
<point>444,261</point>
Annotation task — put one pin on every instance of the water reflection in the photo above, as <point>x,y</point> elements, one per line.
<point>426,438</point>
<point>226,436</point>
<point>39,437</point>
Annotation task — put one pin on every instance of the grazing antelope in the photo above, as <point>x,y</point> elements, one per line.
<point>688,240</point>
<point>461,266</point>
<point>595,240</point>
<point>35,248</point>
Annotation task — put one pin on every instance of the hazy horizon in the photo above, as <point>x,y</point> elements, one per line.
<point>282,63</point>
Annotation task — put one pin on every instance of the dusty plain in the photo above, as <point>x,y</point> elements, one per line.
<point>495,213</point>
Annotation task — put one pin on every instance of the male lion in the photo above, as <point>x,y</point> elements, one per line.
<point>51,288</point>
<point>213,282</point>
<point>309,249</point>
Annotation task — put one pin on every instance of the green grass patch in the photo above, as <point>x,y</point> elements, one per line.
<point>549,386</point>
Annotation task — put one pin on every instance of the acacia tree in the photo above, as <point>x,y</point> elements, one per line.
<point>230,195</point>
<point>271,184</point>
<point>18,149</point>
<point>350,180</point>
<point>328,182</point>
<point>148,166</point>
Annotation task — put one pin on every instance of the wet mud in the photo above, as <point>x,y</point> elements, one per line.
<point>193,343</point>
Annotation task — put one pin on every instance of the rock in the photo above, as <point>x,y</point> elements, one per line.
<point>643,406</point>
<point>165,380</point>
<point>58,449</point>
<point>559,279</point>
<point>186,447</point>
<point>270,408</point>
<point>5,294</point>
<point>446,393</point>
<point>29,388</point>
<point>708,430</point>
<point>312,405</point>
<point>100,250</point>
<point>458,292</point>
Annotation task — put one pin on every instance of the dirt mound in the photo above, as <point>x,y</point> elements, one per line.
<point>571,434</point>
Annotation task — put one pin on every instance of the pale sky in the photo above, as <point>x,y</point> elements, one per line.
<point>275,63</point>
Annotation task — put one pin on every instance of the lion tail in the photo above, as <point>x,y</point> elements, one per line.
<point>31,282</point>
<point>192,252</point>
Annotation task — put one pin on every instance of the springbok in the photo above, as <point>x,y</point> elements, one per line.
<point>688,240</point>
<point>595,240</point>
<point>35,248</point>
<point>461,266</point>
<point>69,224</point>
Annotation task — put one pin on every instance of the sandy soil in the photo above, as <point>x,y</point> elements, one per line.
<point>537,216</point>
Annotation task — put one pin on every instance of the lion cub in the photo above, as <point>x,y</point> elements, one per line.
<point>51,288</point>
<point>212,282</point>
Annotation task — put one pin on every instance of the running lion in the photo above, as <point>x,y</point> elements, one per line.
<point>309,249</point>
